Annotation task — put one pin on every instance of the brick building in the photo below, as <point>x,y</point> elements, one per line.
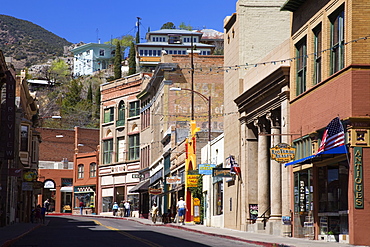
<point>330,78</point>
<point>166,119</point>
<point>56,163</point>
<point>120,147</point>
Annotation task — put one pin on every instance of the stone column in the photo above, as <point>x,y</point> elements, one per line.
<point>275,167</point>
<point>263,167</point>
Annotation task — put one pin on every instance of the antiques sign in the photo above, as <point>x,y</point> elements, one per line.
<point>282,153</point>
<point>358,178</point>
<point>222,172</point>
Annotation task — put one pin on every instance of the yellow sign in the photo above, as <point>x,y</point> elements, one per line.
<point>192,180</point>
<point>196,203</point>
<point>282,153</point>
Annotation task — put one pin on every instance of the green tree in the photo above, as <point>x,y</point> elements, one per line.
<point>89,96</point>
<point>168,25</point>
<point>185,27</point>
<point>124,41</point>
<point>132,60</point>
<point>117,62</point>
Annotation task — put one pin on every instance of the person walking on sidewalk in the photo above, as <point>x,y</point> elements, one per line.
<point>81,207</point>
<point>121,209</point>
<point>115,208</point>
<point>127,209</point>
<point>181,210</point>
<point>154,212</point>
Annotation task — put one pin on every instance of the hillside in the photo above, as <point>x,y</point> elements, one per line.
<point>27,42</point>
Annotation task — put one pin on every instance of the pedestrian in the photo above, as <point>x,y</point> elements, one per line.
<point>38,214</point>
<point>127,209</point>
<point>81,207</point>
<point>121,209</point>
<point>47,205</point>
<point>43,212</point>
<point>33,212</point>
<point>115,208</point>
<point>154,212</point>
<point>181,210</point>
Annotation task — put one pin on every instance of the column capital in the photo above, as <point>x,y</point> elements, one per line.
<point>261,124</point>
<point>274,119</point>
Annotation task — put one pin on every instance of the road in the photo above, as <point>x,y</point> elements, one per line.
<point>90,232</point>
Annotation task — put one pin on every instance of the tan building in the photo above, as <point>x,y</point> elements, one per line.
<point>329,79</point>
<point>255,104</point>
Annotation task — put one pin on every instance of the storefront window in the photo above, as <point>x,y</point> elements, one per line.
<point>303,203</point>
<point>134,201</point>
<point>218,198</point>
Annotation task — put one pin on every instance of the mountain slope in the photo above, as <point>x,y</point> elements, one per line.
<point>27,42</point>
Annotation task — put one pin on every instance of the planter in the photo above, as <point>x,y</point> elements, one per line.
<point>333,238</point>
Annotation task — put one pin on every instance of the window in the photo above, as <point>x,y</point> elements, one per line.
<point>80,171</point>
<point>174,39</point>
<point>141,52</point>
<point>107,151</point>
<point>318,51</point>
<point>102,52</point>
<point>109,115</point>
<point>337,41</point>
<point>121,149</point>
<point>134,147</point>
<point>24,138</point>
<point>303,147</point>
<point>92,170</point>
<point>301,66</point>
<point>121,114</point>
<point>134,109</point>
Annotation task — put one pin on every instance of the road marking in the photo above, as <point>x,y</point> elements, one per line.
<point>129,235</point>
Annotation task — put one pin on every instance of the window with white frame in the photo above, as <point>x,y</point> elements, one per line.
<point>80,171</point>
<point>134,147</point>
<point>301,63</point>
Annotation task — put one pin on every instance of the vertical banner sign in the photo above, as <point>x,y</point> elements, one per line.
<point>9,116</point>
<point>358,178</point>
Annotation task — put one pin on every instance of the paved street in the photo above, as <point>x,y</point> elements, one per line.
<point>90,231</point>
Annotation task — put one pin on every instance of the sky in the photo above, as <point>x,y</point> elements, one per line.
<point>91,20</point>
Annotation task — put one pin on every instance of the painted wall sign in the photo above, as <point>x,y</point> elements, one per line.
<point>358,179</point>
<point>206,169</point>
<point>282,153</point>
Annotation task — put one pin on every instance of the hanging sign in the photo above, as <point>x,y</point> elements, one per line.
<point>155,191</point>
<point>206,169</point>
<point>173,180</point>
<point>221,172</point>
<point>282,153</point>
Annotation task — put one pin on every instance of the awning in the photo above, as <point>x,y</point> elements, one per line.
<point>66,189</point>
<point>142,186</point>
<point>321,156</point>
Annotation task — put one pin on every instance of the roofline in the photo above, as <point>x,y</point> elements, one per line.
<point>291,5</point>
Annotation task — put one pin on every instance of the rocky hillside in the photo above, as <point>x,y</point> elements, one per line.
<point>28,43</point>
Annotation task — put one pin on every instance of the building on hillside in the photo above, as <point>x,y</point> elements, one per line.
<point>56,166</point>
<point>171,42</point>
<point>120,142</point>
<point>330,78</point>
<point>166,117</point>
<point>215,38</point>
<point>91,58</point>
<point>19,148</point>
<point>254,31</point>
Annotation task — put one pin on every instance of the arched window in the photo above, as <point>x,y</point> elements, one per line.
<point>80,171</point>
<point>121,114</point>
<point>92,170</point>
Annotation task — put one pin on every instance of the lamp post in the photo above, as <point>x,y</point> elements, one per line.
<point>208,100</point>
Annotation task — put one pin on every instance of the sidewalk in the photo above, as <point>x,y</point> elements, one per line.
<point>10,234</point>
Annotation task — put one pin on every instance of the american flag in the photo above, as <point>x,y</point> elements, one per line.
<point>234,167</point>
<point>333,136</point>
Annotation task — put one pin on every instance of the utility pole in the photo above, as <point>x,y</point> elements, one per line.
<point>192,78</point>
<point>138,30</point>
